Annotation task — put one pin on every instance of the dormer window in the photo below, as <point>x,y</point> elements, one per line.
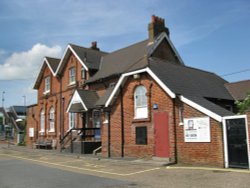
<point>47,85</point>
<point>72,75</point>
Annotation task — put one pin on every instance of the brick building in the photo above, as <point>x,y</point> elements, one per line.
<point>138,101</point>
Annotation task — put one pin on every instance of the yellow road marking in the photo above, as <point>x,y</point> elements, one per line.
<point>209,169</point>
<point>72,161</point>
<point>78,168</point>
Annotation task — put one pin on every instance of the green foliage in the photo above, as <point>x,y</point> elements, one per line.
<point>244,105</point>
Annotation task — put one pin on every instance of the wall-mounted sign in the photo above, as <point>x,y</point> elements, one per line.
<point>197,129</point>
<point>31,132</point>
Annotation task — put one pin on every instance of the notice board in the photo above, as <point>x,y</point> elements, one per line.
<point>197,129</point>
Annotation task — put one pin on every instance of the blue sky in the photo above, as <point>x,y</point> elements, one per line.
<point>208,34</point>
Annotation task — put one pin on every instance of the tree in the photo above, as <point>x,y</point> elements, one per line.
<point>244,105</point>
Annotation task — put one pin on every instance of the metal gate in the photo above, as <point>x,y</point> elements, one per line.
<point>236,142</point>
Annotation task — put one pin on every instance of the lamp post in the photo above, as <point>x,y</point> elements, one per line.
<point>24,102</point>
<point>3,98</point>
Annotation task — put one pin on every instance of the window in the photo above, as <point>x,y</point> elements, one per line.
<point>72,75</point>
<point>141,102</point>
<point>72,120</point>
<point>96,118</point>
<point>181,116</point>
<point>51,120</point>
<point>83,75</point>
<point>141,135</point>
<point>97,123</point>
<point>42,122</point>
<point>47,85</point>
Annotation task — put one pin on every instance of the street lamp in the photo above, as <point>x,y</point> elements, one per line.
<point>24,101</point>
<point>3,98</point>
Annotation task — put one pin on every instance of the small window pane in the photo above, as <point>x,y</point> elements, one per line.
<point>141,135</point>
<point>72,75</point>
<point>47,84</point>
<point>141,102</point>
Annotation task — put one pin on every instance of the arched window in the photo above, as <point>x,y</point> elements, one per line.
<point>42,122</point>
<point>52,120</point>
<point>141,102</point>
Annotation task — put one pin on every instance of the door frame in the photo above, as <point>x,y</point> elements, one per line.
<point>226,161</point>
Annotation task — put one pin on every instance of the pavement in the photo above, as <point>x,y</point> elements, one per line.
<point>140,173</point>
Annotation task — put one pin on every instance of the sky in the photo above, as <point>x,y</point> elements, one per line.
<point>212,35</point>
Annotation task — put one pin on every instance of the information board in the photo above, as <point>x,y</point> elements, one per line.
<point>197,129</point>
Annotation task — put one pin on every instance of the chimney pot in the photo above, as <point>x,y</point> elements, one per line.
<point>94,46</point>
<point>156,27</point>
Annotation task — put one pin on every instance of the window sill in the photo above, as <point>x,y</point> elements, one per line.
<point>181,123</point>
<point>71,84</point>
<point>135,120</point>
<point>105,122</point>
<point>51,131</point>
<point>46,92</point>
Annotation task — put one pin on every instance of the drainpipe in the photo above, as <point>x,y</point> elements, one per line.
<point>175,131</point>
<point>109,133</point>
<point>122,122</point>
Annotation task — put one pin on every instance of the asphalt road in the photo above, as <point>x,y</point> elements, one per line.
<point>24,174</point>
<point>29,168</point>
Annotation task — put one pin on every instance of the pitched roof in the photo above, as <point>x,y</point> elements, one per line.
<point>124,60</point>
<point>239,89</point>
<point>89,97</point>
<point>82,100</point>
<point>52,63</point>
<point>194,84</point>
<point>89,58</point>
<point>189,81</point>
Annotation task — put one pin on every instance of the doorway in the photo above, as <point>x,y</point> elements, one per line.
<point>236,142</point>
<point>161,124</point>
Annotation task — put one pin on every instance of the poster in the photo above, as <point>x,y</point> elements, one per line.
<point>197,129</point>
<point>31,132</point>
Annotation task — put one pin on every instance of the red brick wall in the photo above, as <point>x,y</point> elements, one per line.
<point>53,99</point>
<point>200,153</point>
<point>32,122</point>
<point>155,95</point>
<point>189,153</point>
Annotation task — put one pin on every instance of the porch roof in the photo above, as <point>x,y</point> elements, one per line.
<point>82,100</point>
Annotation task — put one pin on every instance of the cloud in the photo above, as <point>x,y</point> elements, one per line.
<point>25,65</point>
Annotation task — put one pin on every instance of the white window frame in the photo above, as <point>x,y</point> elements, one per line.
<point>47,85</point>
<point>140,96</point>
<point>52,120</point>
<point>96,119</point>
<point>72,75</point>
<point>42,121</point>
<point>83,73</point>
<point>72,120</point>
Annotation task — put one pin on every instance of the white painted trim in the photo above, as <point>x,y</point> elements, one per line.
<point>119,83</point>
<point>85,67</point>
<point>76,96</point>
<point>225,143</point>
<point>164,87</point>
<point>75,54</point>
<point>201,109</point>
<point>225,138</point>
<point>60,64</point>
<point>47,62</point>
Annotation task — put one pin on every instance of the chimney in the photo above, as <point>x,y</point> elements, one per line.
<point>156,27</point>
<point>94,46</point>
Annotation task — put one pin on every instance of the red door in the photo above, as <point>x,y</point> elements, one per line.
<point>162,148</point>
